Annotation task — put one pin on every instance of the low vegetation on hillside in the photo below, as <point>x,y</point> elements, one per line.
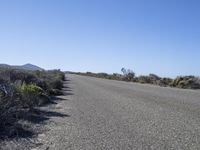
<point>189,82</point>
<point>22,90</point>
<point>186,82</point>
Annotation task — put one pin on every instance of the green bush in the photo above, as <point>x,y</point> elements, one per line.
<point>30,95</point>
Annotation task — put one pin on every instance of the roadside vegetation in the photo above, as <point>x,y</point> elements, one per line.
<point>185,82</point>
<point>22,91</point>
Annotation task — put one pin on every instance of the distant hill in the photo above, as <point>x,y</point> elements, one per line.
<point>5,66</point>
<point>31,67</point>
<point>25,67</point>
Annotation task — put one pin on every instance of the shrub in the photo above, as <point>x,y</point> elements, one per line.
<point>27,77</point>
<point>103,75</point>
<point>144,79</point>
<point>189,82</point>
<point>30,95</point>
<point>56,84</point>
<point>8,105</point>
<point>56,92</point>
<point>165,82</point>
<point>116,76</point>
<point>129,75</point>
<point>22,90</point>
<point>154,79</point>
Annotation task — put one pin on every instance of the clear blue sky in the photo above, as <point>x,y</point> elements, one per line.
<point>148,36</point>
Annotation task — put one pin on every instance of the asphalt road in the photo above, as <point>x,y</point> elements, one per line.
<point>112,115</point>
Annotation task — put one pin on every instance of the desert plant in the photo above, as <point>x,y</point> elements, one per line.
<point>56,84</point>
<point>21,91</point>
<point>154,79</point>
<point>9,105</point>
<point>189,82</point>
<point>30,95</point>
<point>129,75</point>
<point>144,79</point>
<point>165,82</point>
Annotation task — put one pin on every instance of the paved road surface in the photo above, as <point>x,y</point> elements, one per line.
<point>112,115</point>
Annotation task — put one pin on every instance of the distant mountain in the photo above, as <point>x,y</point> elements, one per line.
<point>25,67</point>
<point>5,66</point>
<point>31,67</point>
